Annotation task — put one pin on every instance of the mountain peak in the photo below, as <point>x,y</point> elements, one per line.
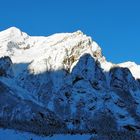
<point>12,34</point>
<point>11,30</point>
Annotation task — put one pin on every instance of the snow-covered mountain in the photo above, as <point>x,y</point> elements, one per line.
<point>63,83</point>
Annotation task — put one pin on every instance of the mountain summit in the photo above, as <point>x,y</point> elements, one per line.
<point>62,83</point>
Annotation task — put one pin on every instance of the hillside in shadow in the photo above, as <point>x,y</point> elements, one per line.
<point>64,101</point>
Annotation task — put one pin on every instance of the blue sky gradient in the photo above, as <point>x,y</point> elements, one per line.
<point>113,24</point>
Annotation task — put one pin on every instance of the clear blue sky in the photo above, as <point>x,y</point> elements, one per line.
<point>113,24</point>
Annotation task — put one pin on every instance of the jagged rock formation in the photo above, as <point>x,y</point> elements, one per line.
<point>6,67</point>
<point>64,81</point>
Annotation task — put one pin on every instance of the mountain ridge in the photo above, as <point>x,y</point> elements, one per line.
<point>19,33</point>
<point>66,77</point>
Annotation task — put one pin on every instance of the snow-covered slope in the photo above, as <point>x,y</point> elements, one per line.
<point>64,81</point>
<point>7,134</point>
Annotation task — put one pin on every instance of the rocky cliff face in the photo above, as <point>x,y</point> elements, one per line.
<point>64,81</point>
